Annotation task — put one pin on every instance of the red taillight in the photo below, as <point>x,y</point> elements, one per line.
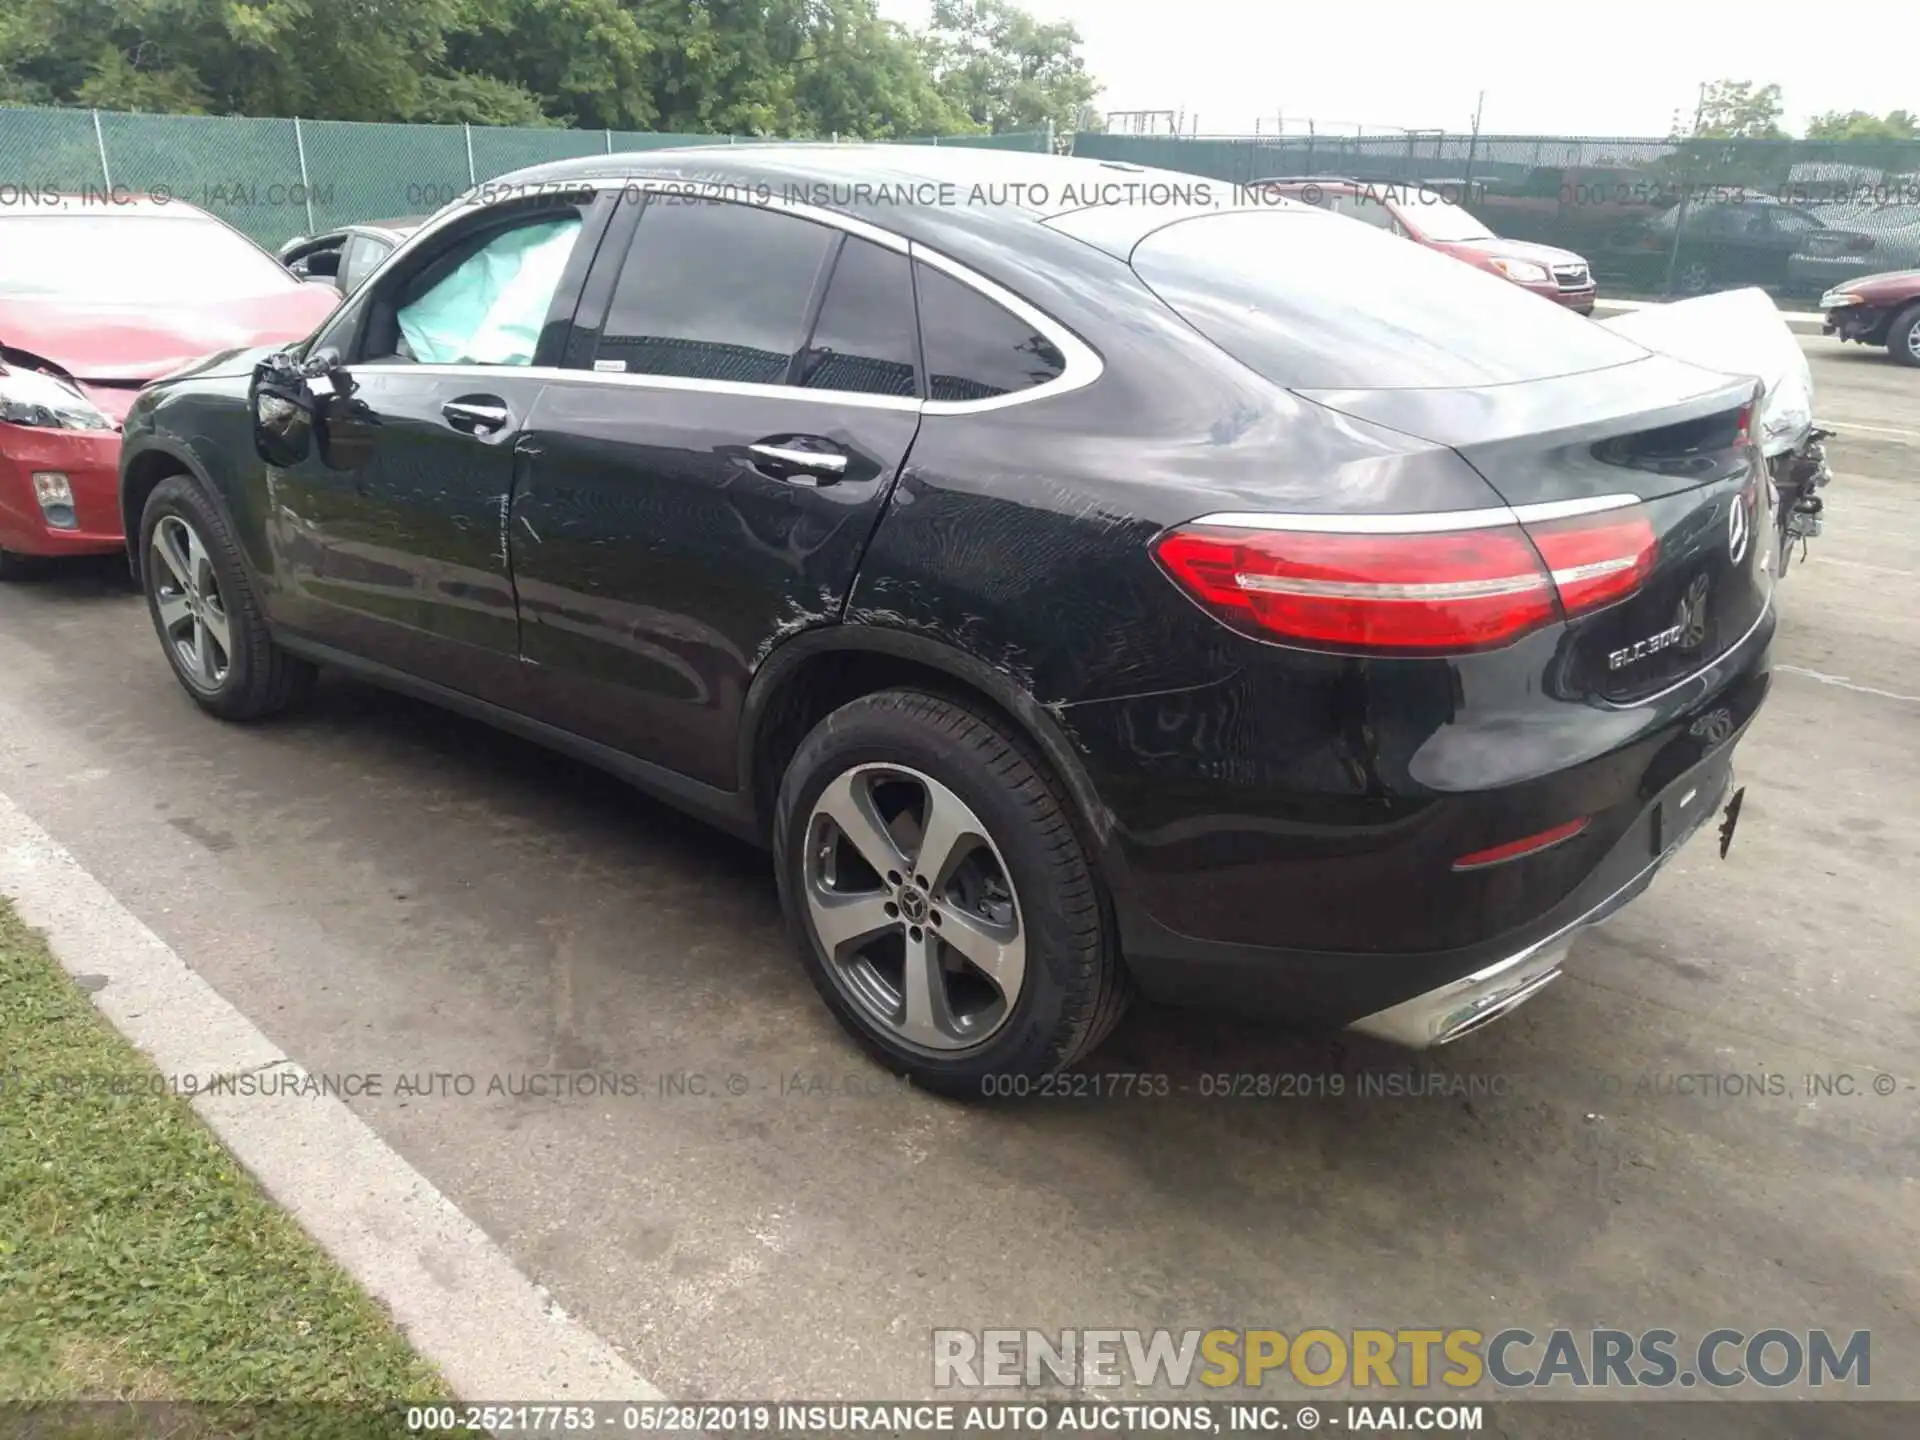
<point>1596,559</point>
<point>1514,849</point>
<point>1432,593</point>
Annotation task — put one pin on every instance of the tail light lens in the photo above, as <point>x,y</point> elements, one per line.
<point>1415,593</point>
<point>1595,560</point>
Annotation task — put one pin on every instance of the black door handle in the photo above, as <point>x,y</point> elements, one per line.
<point>477,414</point>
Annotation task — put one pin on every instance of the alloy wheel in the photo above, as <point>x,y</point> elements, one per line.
<point>1913,342</point>
<point>914,908</point>
<point>186,596</point>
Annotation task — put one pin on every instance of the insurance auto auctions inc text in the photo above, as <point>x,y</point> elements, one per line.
<point>1459,1359</point>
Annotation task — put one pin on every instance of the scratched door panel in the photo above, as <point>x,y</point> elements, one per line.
<point>404,515</point>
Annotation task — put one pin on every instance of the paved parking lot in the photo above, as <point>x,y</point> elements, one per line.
<point>384,888</point>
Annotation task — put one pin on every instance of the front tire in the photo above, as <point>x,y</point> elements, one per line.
<point>1903,336</point>
<point>941,900</point>
<point>205,611</point>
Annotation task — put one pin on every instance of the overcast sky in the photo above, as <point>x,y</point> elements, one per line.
<point>1616,68</point>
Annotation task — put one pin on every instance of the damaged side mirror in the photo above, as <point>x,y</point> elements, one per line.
<point>287,398</point>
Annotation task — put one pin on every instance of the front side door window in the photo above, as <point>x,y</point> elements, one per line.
<point>491,305</point>
<point>391,533</point>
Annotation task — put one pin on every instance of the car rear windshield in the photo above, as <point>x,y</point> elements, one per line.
<point>160,259</point>
<point>1313,301</point>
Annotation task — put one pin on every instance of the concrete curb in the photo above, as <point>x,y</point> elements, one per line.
<point>1801,322</point>
<point>493,1334</point>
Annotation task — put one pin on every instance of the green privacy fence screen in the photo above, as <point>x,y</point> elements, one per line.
<point>276,179</point>
<point>1653,217</point>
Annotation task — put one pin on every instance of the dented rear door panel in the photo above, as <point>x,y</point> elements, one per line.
<point>658,561</point>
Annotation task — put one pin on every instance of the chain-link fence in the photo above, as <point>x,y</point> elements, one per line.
<point>276,179</point>
<point>1652,217</point>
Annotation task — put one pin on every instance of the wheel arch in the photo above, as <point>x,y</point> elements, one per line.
<point>816,672</point>
<point>140,475</point>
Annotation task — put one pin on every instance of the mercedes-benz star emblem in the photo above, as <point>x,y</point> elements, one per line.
<point>1691,618</point>
<point>1739,529</point>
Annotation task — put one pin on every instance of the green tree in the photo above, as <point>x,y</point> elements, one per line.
<point>1740,110</point>
<point>327,59</point>
<point>863,76</point>
<point>759,67</point>
<point>1004,69</point>
<point>1859,125</point>
<point>581,61</point>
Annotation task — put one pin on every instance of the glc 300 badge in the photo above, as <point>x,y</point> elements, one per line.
<point>1688,631</point>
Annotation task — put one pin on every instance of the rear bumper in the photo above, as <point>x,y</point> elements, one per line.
<point>1306,878</point>
<point>1448,1012</point>
<point>90,460</point>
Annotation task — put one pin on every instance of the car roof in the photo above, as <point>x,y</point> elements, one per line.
<point>957,196</point>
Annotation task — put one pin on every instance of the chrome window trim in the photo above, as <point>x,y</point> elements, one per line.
<point>1428,522</point>
<point>681,383</point>
<point>1083,362</point>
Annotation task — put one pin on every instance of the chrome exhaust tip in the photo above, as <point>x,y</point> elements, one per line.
<point>1445,1014</point>
<point>1493,1008</point>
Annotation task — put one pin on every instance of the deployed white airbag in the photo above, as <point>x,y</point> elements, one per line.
<point>490,310</point>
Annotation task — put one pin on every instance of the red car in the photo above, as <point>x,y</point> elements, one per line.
<point>1878,310</point>
<point>1424,215</point>
<point>97,297</point>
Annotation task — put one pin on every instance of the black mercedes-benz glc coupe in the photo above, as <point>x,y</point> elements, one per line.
<point>1084,584</point>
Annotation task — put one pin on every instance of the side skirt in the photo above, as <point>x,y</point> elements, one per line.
<point>727,810</point>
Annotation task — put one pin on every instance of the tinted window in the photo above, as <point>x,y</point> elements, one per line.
<point>714,291</point>
<point>864,339</point>
<point>975,349</point>
<point>1312,303</point>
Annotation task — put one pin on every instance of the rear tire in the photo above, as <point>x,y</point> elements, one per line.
<point>15,567</point>
<point>1003,920</point>
<point>205,611</point>
<point>1903,336</point>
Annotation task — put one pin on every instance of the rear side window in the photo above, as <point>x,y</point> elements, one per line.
<point>1311,303</point>
<point>864,340</point>
<point>975,349</point>
<point>714,291</point>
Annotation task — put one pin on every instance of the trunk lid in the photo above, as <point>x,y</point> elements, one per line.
<point>1663,437</point>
